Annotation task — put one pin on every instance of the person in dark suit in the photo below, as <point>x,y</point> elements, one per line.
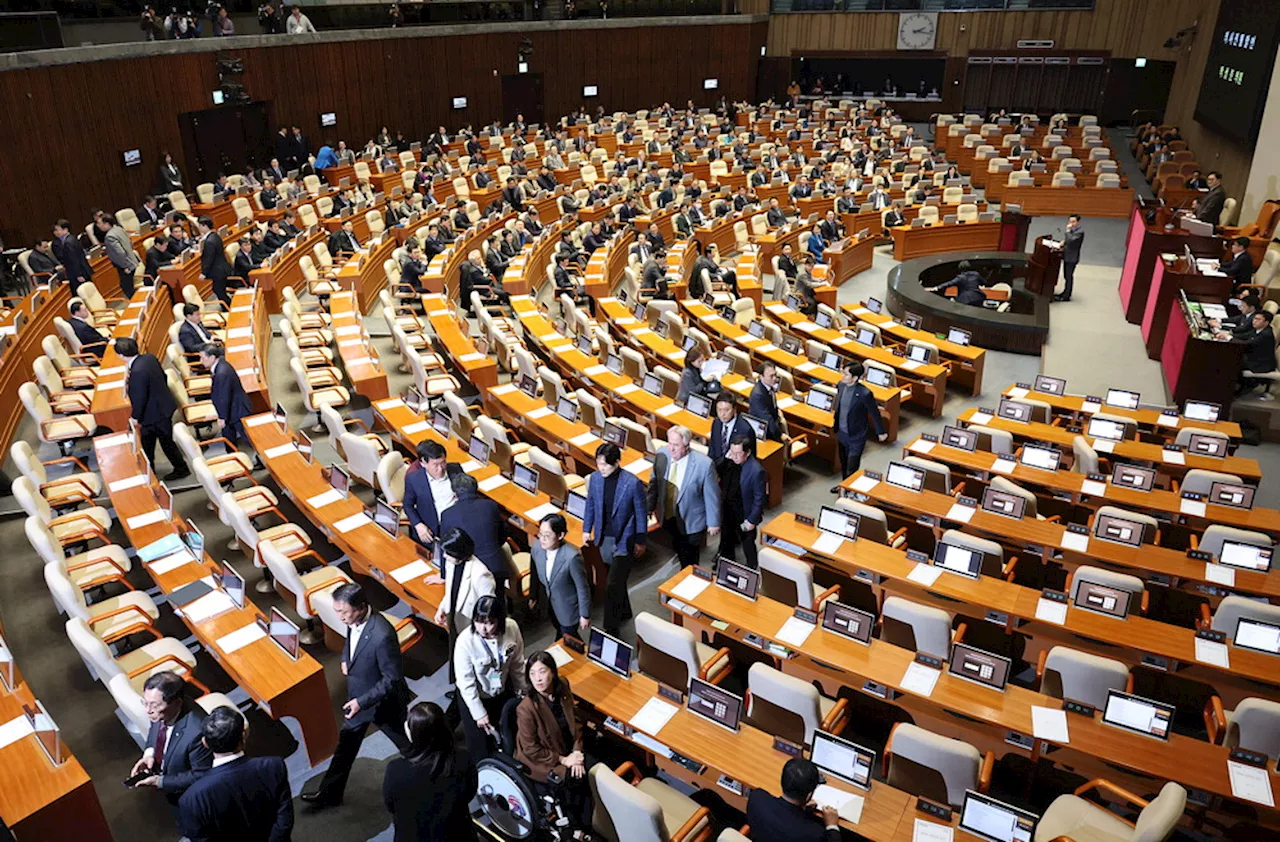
<point>157,256</point>
<point>691,382</point>
<point>831,228</point>
<point>43,262</point>
<point>1209,206</point>
<point>227,393</point>
<point>1259,355</point>
<point>727,424</point>
<point>1240,267</point>
<point>512,196</point>
<point>213,259</point>
<point>560,577</point>
<point>894,216</point>
<point>484,521</point>
<point>174,752</point>
<point>855,414</point>
<point>240,799</point>
<point>743,492</point>
<point>244,262</point>
<point>787,264</point>
<point>193,335</point>
<point>428,491</point>
<point>149,212</point>
<point>276,235</point>
<point>1239,326</point>
<point>1072,239</point>
<point>70,253</point>
<point>92,340</point>
<point>616,521</point>
<point>968,285</point>
<point>763,402</point>
<point>343,241</point>
<point>152,405</point>
<point>787,817</point>
<point>413,269</point>
<point>376,690</point>
<point>428,789</point>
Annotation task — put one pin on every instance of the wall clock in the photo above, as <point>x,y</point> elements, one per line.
<point>917,30</point>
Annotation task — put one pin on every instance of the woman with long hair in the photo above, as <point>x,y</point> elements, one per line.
<point>428,789</point>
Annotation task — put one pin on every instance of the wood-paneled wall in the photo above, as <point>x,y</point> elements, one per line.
<point>1127,28</point>
<point>69,124</point>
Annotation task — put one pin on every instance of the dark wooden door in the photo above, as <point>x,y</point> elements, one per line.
<point>522,94</point>
<point>225,140</point>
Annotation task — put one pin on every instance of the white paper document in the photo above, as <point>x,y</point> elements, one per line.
<point>960,513</point>
<point>627,388</point>
<point>1050,724</point>
<point>766,348</point>
<point>353,522</point>
<point>927,831</point>
<point>210,605</point>
<point>911,365</point>
<point>129,482</point>
<point>787,403</point>
<point>794,632</point>
<point>1220,574</point>
<point>243,332</point>
<point>1195,508</point>
<point>1090,407</point>
<point>540,412</point>
<point>1016,392</point>
<point>828,543</point>
<point>1104,445</point>
<point>495,481</point>
<point>1250,783</point>
<point>471,358</point>
<point>106,387</point>
<point>595,370</point>
<point>240,638</point>
<point>1167,420</point>
<point>1093,488</point>
<point>925,574</point>
<point>864,484</point>
<point>502,390</point>
<point>417,427</point>
<point>690,588</point>
<point>639,466</point>
<point>1174,457</point>
<point>981,418</point>
<point>333,495</point>
<point>807,367</point>
<point>470,466</point>
<point>346,330</point>
<point>14,730</point>
<point>258,420</point>
<point>558,655</point>
<point>653,716</point>
<point>1051,612</point>
<point>1212,652</point>
<point>537,513</point>
<point>669,409</point>
<point>919,679</point>
<point>847,804</point>
<point>922,446</point>
<point>280,450</point>
<point>1004,466</point>
<point>415,569</point>
<point>584,440</point>
<point>114,441</point>
<point>171,562</point>
<point>146,519</point>
<point>1075,542</point>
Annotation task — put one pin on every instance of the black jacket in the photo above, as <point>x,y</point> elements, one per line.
<point>190,338</point>
<point>426,808</point>
<point>772,817</point>
<point>1071,242</point>
<point>1260,356</point>
<point>483,520</point>
<point>763,404</point>
<point>185,758</point>
<point>245,800</point>
<point>718,444</point>
<point>1239,268</point>
<point>419,505</point>
<point>375,675</point>
<point>149,393</point>
<point>91,340</point>
<point>863,414</point>
<point>228,395</point>
<point>73,258</point>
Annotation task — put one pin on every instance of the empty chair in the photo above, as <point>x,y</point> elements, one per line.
<point>789,707</point>
<point>1081,676</point>
<point>1085,459</point>
<point>362,457</point>
<point>73,527</point>
<point>992,553</point>
<point>1254,725</point>
<point>90,569</point>
<point>64,401</point>
<point>463,416</point>
<point>873,525</point>
<point>992,440</point>
<point>165,653</point>
<point>503,452</point>
<point>287,537</point>
<point>937,476</point>
<point>304,589</point>
<point>1150,526</point>
<point>552,479</point>
<point>672,654</point>
<point>70,489</point>
<point>1009,487</point>
<point>61,430</point>
<point>1200,481</point>
<point>111,618</point>
<point>1212,540</point>
<point>1232,608</point>
<point>790,581</point>
<point>916,627</point>
<point>920,762</point>
<point>643,809</point>
<point>1075,818</point>
<point>1088,575</point>
<point>77,372</point>
<point>318,390</point>
<point>638,436</point>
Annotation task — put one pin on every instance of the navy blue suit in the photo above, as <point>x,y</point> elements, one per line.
<point>853,426</point>
<point>152,406</point>
<point>73,259</point>
<point>743,497</point>
<point>483,520</point>
<point>772,817</point>
<point>91,341</point>
<point>419,505</point>
<point>229,400</point>
<point>186,758</point>
<point>617,533</point>
<point>764,404</point>
<point>718,444</point>
<point>246,800</point>
<point>192,341</point>
<point>214,265</point>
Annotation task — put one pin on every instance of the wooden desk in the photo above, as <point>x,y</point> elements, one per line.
<point>480,369</point>
<point>247,352</point>
<point>147,319</point>
<point>1076,408</point>
<point>1144,243</point>
<point>280,685</point>
<point>1128,451</point>
<point>39,308</point>
<point>967,362</point>
<point>847,258</point>
<point>1198,367</point>
<point>1113,202</point>
<point>364,275</point>
<point>359,357</point>
<point>1170,278</point>
<point>941,238</point>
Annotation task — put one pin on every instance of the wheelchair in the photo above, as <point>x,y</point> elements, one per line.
<point>507,797</point>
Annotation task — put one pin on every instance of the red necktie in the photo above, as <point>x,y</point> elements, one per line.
<point>160,741</point>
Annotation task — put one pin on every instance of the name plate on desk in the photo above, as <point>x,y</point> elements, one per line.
<point>917,556</point>
<point>1249,758</point>
<point>804,615</point>
<point>703,573</point>
<point>671,694</point>
<point>1199,555</point>
<point>804,520</point>
<point>928,660</point>
<point>931,808</point>
<point>786,747</point>
<point>1078,708</point>
<point>573,644</point>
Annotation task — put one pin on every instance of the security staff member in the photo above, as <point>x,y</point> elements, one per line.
<point>856,413</point>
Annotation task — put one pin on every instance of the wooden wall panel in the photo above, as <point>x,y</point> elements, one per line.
<point>68,124</point>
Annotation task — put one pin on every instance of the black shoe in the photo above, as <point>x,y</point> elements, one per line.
<point>181,473</point>
<point>1060,298</point>
<point>317,801</point>
<point>835,489</point>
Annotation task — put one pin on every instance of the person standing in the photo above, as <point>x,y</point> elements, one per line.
<point>428,789</point>
<point>787,817</point>
<point>488,662</point>
<point>70,253</point>
<point>483,520</point>
<point>152,406</point>
<point>213,259</point>
<point>856,413</point>
<point>684,495</point>
<point>174,754</point>
<point>119,251</point>
<point>227,392</point>
<point>240,798</point>
<point>727,424</point>
<point>763,403</point>
<point>744,492</point>
<point>1072,239</point>
<point>428,491</point>
<point>466,580</point>
<point>560,577</point>
<point>1209,206</point>
<point>376,690</point>
<point>616,521</point>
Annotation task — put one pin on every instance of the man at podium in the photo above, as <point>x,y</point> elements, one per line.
<point>1072,238</point>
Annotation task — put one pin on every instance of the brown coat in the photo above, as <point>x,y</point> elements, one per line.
<point>538,742</point>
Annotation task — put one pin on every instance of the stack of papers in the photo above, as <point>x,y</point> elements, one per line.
<point>690,588</point>
<point>146,519</point>
<point>847,804</point>
<point>960,513</point>
<point>537,514</point>
<point>1004,466</point>
<point>558,655</point>
<point>280,450</point>
<point>1250,783</point>
<point>129,482</point>
<point>415,569</point>
<point>1220,574</point>
<point>333,495</point>
<point>210,605</point>
<point>1050,724</point>
<point>980,418</point>
<point>919,679</point>
<point>794,632</point>
<point>925,574</point>
<point>240,638</point>
<point>1093,488</point>
<point>173,562</point>
<point>864,483</point>
<point>1212,652</point>
<point>654,716</point>
<point>495,481</point>
<point>1075,542</point>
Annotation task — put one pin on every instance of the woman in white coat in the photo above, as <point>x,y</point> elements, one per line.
<point>466,579</point>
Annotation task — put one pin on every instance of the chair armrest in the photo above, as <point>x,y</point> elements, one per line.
<point>84,533</point>
<point>349,422</point>
<point>1215,720</point>
<point>628,769</point>
<point>835,715</point>
<point>1053,519</point>
<point>84,493</point>
<point>180,666</point>
<point>308,553</point>
<point>697,818</point>
<point>73,459</point>
<point>958,635</point>
<point>230,447</point>
<point>1195,541</point>
<point>1041,659</point>
<point>130,630</point>
<point>958,489</point>
<point>44,425</point>
<point>315,589</point>
<point>1118,791</point>
<point>1205,621</point>
<point>721,655</point>
<point>984,773</point>
<point>1146,600</point>
<point>833,591</point>
<point>128,609</point>
<point>71,568</point>
<point>1009,568</point>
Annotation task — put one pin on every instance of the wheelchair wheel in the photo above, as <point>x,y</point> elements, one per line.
<point>508,800</point>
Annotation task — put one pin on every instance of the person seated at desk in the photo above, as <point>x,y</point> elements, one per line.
<point>244,263</point>
<point>817,244</point>
<point>1239,326</point>
<point>1033,160</point>
<point>774,216</point>
<point>428,789</point>
<point>193,335</point>
<point>275,236</point>
<point>414,268</point>
<point>42,260</point>
<point>968,285</point>
<point>831,227</point>
<point>894,216</point>
<point>787,264</point>
<point>653,279</point>
<point>710,262</point>
<point>92,340</point>
<point>594,239</point>
<point>222,189</point>
<point>566,284</point>
<point>160,254</point>
<point>1240,267</point>
<point>1197,182</point>
<point>787,817</point>
<point>289,223</point>
<point>878,198</point>
<point>805,286</point>
<point>549,740</point>
<point>494,260</point>
<point>474,277</point>
<point>1259,356</point>
<point>847,202</point>
<point>691,379</point>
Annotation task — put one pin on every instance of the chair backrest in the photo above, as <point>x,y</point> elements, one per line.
<point>69,599</point>
<point>92,650</point>
<point>783,705</point>
<point>1215,534</point>
<point>1254,725</point>
<point>666,652</point>
<point>992,553</point>
<point>593,413</point>
<point>936,767</point>
<point>28,463</point>
<point>873,525</point>
<point>993,440</point>
<point>390,475</point>
<point>1085,457</point>
<point>1232,608</point>
<point>1082,676</point>
<point>919,628</point>
<point>28,495</point>
<point>1161,815</point>
<point>462,423</point>
<point>937,476</point>
<point>634,815</point>
<point>786,579</point>
<point>362,457</point>
<point>1149,524</point>
<point>1107,578</point>
<point>1201,481</point>
<point>1009,487</point>
<point>285,573</point>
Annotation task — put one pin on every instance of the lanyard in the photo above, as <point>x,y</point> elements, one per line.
<point>497,657</point>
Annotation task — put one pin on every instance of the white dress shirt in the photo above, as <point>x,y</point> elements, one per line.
<point>675,479</point>
<point>441,492</point>
<point>551,562</point>
<point>354,634</point>
<point>226,758</point>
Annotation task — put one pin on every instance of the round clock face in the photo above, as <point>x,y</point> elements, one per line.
<point>916,31</point>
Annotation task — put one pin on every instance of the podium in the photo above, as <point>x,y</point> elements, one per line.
<point>1043,268</point>
<point>1144,243</point>
<point>1171,277</point>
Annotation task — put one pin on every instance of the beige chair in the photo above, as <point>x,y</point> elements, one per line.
<point>1150,526</point>
<point>104,314</point>
<point>1081,676</point>
<point>391,472</point>
<point>1085,459</point>
<point>70,489</point>
<point>110,618</point>
<point>644,809</point>
<point>75,526</point>
<point>318,387</point>
<point>1087,574</point>
<point>791,708</point>
<point>992,440</point>
<point>1254,725</point>
<point>95,568</point>
<point>139,664</point>
<point>1200,481</point>
<point>303,588</point>
<point>993,563</point>
<point>1072,817</point>
<point>937,476</point>
<point>1031,509</point>
<point>920,762</point>
<point>916,627</point>
<point>287,537</point>
<point>78,372</point>
<point>672,655</point>
<point>790,581</point>
<point>194,413</point>
<point>1215,534</point>
<point>873,525</point>
<point>64,401</point>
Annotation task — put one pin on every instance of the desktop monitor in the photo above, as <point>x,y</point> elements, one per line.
<point>387,517</point>
<point>339,479</point>
<point>688,343</point>
<point>1203,445</point>
<point>442,422</point>
<point>652,384</point>
<point>584,344</point>
<point>794,302</point>
<point>1003,503</point>
<point>640,312</point>
<point>759,427</point>
<point>963,439</point>
<point>756,329</point>
<point>232,582</point>
<point>918,353</point>
<point>1049,385</point>
<point>1132,476</point>
<point>737,578</point>
<point>1245,556</point>
<point>567,409</point>
<point>866,336</point>
<point>699,405</point>
<point>1201,411</point>
<point>956,559</point>
<point>1122,399</point>
<point>1105,428</point>
<point>847,761</point>
<point>164,498</point>
<point>1231,494</point>
<point>710,702</point>
<point>994,820</point>
<point>1134,713</point>
<point>1258,636</point>
<point>979,666</point>
<point>1039,456</point>
<point>1014,411</point>
<point>1119,530</point>
<point>904,476</point>
<point>831,360</point>
<point>525,477</point>
<point>285,634</point>
<point>528,385</point>
<point>576,505</point>
<point>838,522</point>
<point>478,449</point>
<point>662,329</point>
<point>614,434</point>
<point>874,305</point>
<point>913,320</point>
<point>820,400</point>
<point>878,377</point>
<point>847,621</point>
<point>957,336</point>
<point>791,345</point>
<point>609,652</point>
<point>1100,599</point>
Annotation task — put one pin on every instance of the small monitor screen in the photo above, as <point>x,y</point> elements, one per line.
<point>791,345</point>
<point>442,423</point>
<point>590,90</point>
<point>1202,411</point>
<point>525,477</point>
<point>567,409</point>
<point>339,479</point>
<point>699,405</point>
<point>847,761</point>
<point>994,820</point>
<point>282,630</point>
<point>233,583</point>
<point>720,706</point>
<point>820,400</point>
<point>904,476</point>
<point>528,385</point>
<point>912,320</point>
<point>1105,428</point>
<point>662,329</point>
<point>874,305</point>
<point>386,516</point>
<point>837,522</point>
<point>793,301</point>
<point>978,665</point>
<point>1124,710</point>
<point>1257,635</point>
<point>831,360</point>
<point>478,450</point>
<point>1050,385</point>
<point>957,336</point>
<point>614,434</point>
<point>281,416</point>
<point>614,363</point>
<point>1132,476</point>
<point>303,442</point>
<point>640,311</point>
<point>963,439</point>
<point>1014,411</point>
<point>960,560</point>
<point>328,118</point>
<point>879,377</point>
<point>584,344</point>
<point>459,103</point>
<point>866,336</point>
<point>758,426</point>
<point>132,157</point>
<point>1003,503</point>
<point>609,652</point>
<point>756,329</point>
<point>823,319</point>
<point>848,621</point>
<point>1044,458</point>
<point>737,578</point>
<point>576,505</point>
<point>652,384</point>
<point>1231,494</point>
<point>164,499</point>
<point>1202,445</point>
<point>1245,556</point>
<point>688,343</point>
<point>919,353</point>
<point>194,539</point>
<point>1122,399</point>
<point>1119,530</point>
<point>1111,601</point>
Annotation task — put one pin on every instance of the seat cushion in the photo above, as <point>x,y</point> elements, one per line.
<point>69,428</point>
<point>1082,821</point>
<point>677,808</point>
<point>255,499</point>
<point>165,646</point>
<point>135,599</point>
<point>286,538</point>
<point>73,482</point>
<point>200,413</point>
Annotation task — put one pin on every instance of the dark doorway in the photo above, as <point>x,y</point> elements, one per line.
<point>522,94</point>
<point>227,139</point>
<point>1136,94</point>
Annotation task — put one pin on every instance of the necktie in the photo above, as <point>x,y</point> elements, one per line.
<point>161,739</point>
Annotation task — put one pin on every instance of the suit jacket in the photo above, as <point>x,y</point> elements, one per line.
<point>245,800</point>
<point>568,589</point>
<point>186,758</point>
<point>1260,356</point>
<point>146,214</point>
<point>718,444</point>
<point>423,806</point>
<point>482,519</point>
<point>763,404</point>
<point>754,487</point>
<point>894,218</point>
<point>539,741</point>
<point>691,383</point>
<point>683,225</point>
<point>192,341</point>
<point>91,340</point>
<point>698,505</point>
<point>862,414</point>
<point>228,395</point>
<point>419,505</point>
<point>72,257</point>
<point>340,241</point>
<point>830,230</point>
<point>775,217</point>
<point>375,675</point>
<point>627,521</point>
<point>152,404</point>
<point>1239,269</point>
<point>213,259</point>
<point>1209,208</point>
<point>772,817</point>
<point>1071,242</point>
<point>120,249</point>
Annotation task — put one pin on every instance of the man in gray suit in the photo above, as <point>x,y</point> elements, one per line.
<point>684,495</point>
<point>119,250</point>
<point>561,576</point>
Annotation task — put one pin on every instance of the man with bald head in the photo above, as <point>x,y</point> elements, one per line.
<point>684,495</point>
